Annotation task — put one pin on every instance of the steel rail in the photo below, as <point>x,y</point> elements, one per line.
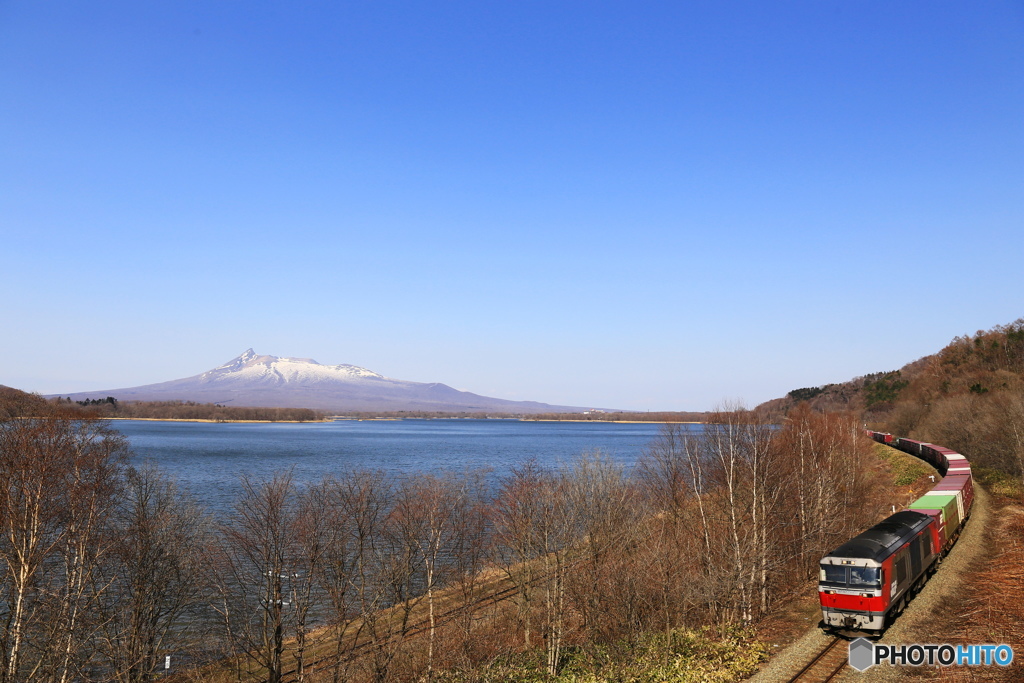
<point>805,673</point>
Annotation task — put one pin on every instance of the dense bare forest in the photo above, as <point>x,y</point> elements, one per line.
<point>554,573</point>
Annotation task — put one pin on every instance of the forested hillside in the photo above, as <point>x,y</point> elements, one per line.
<point>969,396</point>
<point>17,403</point>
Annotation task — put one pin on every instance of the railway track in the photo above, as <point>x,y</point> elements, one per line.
<point>826,665</point>
<point>418,628</point>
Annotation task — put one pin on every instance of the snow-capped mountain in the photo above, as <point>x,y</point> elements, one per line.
<point>251,367</point>
<point>270,381</point>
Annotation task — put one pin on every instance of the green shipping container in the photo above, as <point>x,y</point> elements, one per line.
<point>950,512</point>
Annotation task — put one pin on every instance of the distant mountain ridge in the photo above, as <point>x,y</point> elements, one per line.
<point>266,381</point>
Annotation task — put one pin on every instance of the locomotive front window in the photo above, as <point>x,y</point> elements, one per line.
<point>830,573</point>
<point>864,576</point>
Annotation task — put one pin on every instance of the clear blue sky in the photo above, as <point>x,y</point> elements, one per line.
<point>653,205</point>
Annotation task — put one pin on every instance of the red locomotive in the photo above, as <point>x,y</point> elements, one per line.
<point>868,580</point>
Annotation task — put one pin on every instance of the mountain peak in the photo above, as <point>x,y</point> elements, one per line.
<point>246,358</point>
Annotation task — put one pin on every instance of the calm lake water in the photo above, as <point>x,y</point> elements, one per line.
<point>208,459</point>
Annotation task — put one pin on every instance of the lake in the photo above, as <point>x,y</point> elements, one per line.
<point>208,459</point>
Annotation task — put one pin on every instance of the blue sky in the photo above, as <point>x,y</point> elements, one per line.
<point>633,205</point>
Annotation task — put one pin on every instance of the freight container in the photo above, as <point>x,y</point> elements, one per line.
<point>958,467</point>
<point>909,445</point>
<point>950,507</point>
<point>961,485</point>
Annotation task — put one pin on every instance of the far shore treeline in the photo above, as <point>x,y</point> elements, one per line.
<point>17,402</point>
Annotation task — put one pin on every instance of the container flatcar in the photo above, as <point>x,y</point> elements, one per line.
<point>880,437</point>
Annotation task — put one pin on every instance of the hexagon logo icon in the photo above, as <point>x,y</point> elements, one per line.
<point>862,654</point>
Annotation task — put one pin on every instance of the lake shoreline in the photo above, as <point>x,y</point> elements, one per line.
<point>391,419</point>
<point>621,422</point>
<point>207,420</point>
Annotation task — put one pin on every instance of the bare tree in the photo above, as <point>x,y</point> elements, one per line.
<point>156,574</point>
<point>255,571</point>
<point>356,507</point>
<point>605,512</point>
<point>60,477</point>
<point>533,534</point>
<point>427,515</point>
<point>819,467</point>
<point>724,449</point>
<point>517,518</point>
<point>670,477</point>
<point>555,537</point>
<point>312,547</point>
<point>1009,428</point>
<point>469,555</point>
<point>400,579</point>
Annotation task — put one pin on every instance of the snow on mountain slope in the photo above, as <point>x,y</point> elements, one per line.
<point>269,381</point>
<point>250,367</point>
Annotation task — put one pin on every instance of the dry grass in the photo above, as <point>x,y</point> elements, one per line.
<point>991,609</point>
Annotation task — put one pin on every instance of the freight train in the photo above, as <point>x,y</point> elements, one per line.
<point>867,581</point>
